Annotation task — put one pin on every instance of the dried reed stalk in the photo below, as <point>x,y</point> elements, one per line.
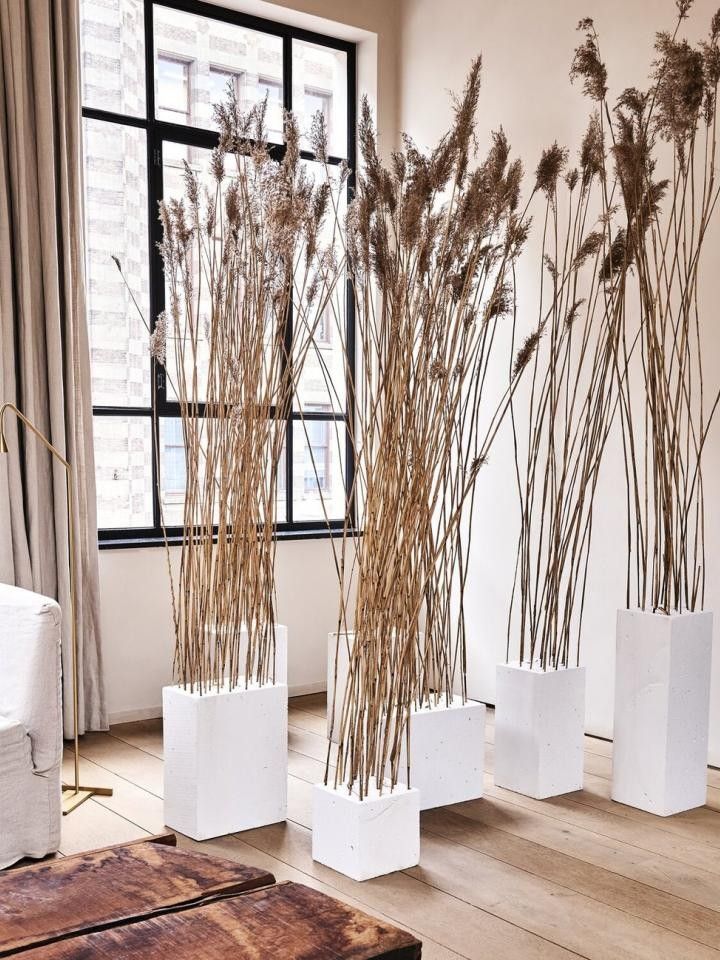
<point>664,146</point>
<point>430,247</point>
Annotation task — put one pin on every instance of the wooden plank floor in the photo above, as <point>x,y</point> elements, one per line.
<point>505,877</point>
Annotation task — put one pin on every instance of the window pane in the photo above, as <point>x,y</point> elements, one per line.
<point>318,469</point>
<point>320,326</point>
<point>112,37</point>
<point>320,83</point>
<point>116,226</point>
<point>123,472</point>
<point>206,54</point>
<point>173,477</point>
<point>172,471</point>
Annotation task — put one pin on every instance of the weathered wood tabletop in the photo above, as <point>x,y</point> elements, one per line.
<point>284,922</point>
<point>56,898</point>
<point>151,900</point>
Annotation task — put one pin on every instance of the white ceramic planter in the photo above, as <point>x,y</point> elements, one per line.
<point>662,709</point>
<point>447,752</point>
<point>225,759</point>
<point>281,650</point>
<point>539,730</point>
<point>366,838</point>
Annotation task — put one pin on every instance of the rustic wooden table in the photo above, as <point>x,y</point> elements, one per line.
<point>150,899</point>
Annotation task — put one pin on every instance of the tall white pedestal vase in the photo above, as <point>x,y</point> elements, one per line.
<point>662,710</point>
<point>225,758</point>
<point>366,838</point>
<point>447,752</point>
<point>539,729</point>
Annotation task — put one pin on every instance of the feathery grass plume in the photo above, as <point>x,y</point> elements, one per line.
<point>587,64</point>
<point>238,248</point>
<point>679,88</point>
<point>551,165</point>
<point>525,353</point>
<point>158,340</point>
<point>432,240</point>
<point>592,150</point>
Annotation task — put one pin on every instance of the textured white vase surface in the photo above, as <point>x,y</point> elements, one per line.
<point>366,838</point>
<point>447,751</point>
<point>225,758</point>
<point>662,710</point>
<point>539,729</point>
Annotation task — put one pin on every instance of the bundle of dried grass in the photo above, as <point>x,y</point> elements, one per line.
<point>431,245</point>
<point>237,252</point>
<point>664,147</point>
<point>571,405</point>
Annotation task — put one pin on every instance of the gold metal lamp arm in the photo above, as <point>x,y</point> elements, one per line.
<point>75,795</point>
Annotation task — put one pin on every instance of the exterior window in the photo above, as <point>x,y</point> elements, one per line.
<point>272,89</point>
<point>144,116</point>
<point>323,333</point>
<point>319,100</point>
<point>173,90</point>
<point>220,80</point>
<point>317,457</point>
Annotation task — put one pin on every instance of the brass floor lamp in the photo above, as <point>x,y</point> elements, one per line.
<point>72,796</point>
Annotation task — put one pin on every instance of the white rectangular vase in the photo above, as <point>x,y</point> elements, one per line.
<point>225,759</point>
<point>447,752</point>
<point>539,729</point>
<point>366,838</point>
<point>662,709</point>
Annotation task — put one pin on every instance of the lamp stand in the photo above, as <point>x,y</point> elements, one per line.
<point>72,794</point>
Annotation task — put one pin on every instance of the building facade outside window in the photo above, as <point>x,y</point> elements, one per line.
<point>152,72</point>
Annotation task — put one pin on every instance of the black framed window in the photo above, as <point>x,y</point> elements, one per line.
<point>151,71</point>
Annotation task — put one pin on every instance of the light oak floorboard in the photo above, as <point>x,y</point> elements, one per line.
<point>543,858</point>
<point>504,877</point>
<point>145,735</point>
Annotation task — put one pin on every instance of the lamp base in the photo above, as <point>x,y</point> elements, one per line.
<point>72,797</point>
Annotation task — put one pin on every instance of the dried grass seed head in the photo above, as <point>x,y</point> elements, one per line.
<point>592,150</point>
<point>587,64</point>
<point>551,165</point>
<point>679,89</point>
<point>525,353</point>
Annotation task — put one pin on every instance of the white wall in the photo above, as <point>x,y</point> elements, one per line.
<point>138,633</point>
<point>527,48</point>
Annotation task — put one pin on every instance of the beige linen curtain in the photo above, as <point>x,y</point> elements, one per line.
<point>44,352</point>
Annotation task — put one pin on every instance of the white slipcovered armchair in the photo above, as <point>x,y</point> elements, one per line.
<point>30,725</point>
